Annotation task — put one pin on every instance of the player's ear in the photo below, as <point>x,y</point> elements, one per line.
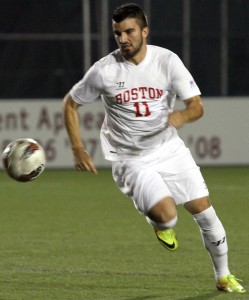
<point>145,32</point>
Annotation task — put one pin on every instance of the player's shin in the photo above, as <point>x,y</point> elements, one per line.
<point>214,238</point>
<point>162,226</point>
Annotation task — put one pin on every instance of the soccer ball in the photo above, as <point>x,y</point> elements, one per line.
<point>24,159</point>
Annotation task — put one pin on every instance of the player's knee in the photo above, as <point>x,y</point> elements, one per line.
<point>197,206</point>
<point>162,226</point>
<point>164,212</point>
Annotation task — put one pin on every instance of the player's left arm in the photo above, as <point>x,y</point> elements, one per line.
<point>83,161</point>
<point>193,111</point>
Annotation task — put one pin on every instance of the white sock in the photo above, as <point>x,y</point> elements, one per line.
<point>215,241</point>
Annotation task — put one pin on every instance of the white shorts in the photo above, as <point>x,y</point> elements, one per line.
<point>168,172</point>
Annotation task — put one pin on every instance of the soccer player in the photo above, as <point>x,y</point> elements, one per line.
<point>139,84</point>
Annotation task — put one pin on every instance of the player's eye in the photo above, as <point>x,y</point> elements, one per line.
<point>117,33</point>
<point>129,31</point>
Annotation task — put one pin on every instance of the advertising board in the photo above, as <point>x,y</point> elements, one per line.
<point>220,137</point>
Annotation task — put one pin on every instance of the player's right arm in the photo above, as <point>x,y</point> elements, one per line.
<point>82,160</point>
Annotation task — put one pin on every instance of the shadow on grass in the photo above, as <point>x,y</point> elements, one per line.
<point>199,297</point>
<point>202,297</point>
<point>149,297</point>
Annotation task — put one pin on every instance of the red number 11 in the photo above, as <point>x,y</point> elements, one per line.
<point>138,113</point>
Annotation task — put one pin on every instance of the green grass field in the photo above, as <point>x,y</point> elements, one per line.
<point>71,235</point>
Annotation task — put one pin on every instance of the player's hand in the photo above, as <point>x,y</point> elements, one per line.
<point>83,161</point>
<point>176,119</point>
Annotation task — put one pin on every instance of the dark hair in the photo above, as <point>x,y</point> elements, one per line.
<point>130,10</point>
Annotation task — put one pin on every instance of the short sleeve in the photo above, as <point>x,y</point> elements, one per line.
<point>182,81</point>
<point>88,89</point>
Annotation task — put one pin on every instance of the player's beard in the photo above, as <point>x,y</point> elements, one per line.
<point>132,49</point>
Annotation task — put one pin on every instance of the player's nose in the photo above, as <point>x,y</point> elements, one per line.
<point>122,38</point>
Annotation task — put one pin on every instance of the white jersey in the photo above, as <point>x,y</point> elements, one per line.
<point>137,100</point>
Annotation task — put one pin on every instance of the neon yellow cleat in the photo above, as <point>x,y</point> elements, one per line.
<point>229,284</point>
<point>168,239</point>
